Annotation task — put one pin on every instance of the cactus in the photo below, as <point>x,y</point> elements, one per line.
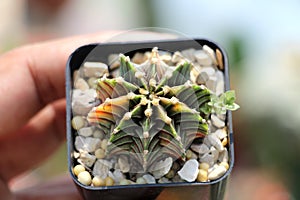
<point>152,111</point>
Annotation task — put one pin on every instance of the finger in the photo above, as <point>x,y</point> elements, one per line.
<point>61,188</point>
<point>26,148</point>
<point>33,76</point>
<point>4,191</point>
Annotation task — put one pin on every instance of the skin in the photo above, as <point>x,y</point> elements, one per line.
<point>32,112</point>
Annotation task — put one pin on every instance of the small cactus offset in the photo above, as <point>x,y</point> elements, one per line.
<point>152,111</point>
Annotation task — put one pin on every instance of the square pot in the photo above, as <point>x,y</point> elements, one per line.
<point>213,190</point>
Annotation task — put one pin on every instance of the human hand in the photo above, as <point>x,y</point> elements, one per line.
<point>32,110</point>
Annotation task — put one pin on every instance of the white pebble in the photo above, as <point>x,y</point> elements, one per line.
<point>85,178</point>
<point>117,175</point>
<point>113,61</point>
<point>86,159</point>
<point>177,57</point>
<point>221,133</point>
<point>83,101</point>
<point>211,53</point>
<point>88,144</point>
<point>104,143</point>
<point>217,172</point>
<point>209,70</point>
<point>140,180</point>
<point>202,57</point>
<point>149,179</point>
<point>215,153</point>
<point>223,156</point>
<point>189,171</point>
<point>225,164</point>
<point>81,84</point>
<point>206,141</point>
<point>94,69</point>
<point>216,142</point>
<point>205,74</point>
<point>99,134</point>
<point>211,83</point>
<point>221,116</point>
<point>167,58</point>
<point>92,82</point>
<point>78,122</point>
<point>125,182</point>
<point>189,54</point>
<point>200,148</point>
<point>162,168</point>
<point>220,86</point>
<point>100,153</point>
<point>164,180</point>
<point>86,131</point>
<point>217,122</point>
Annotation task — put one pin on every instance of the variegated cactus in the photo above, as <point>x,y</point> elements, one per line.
<point>152,111</point>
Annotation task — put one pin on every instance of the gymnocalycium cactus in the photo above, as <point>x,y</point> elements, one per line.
<point>152,111</point>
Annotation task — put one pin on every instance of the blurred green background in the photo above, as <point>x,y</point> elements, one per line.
<point>262,39</point>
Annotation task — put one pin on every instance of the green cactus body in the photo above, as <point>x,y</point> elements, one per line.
<point>152,111</point>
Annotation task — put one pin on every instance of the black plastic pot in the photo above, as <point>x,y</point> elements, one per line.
<point>213,190</point>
